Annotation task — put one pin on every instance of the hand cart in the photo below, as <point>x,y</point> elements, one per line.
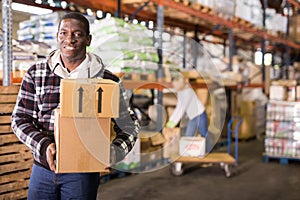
<point>226,160</point>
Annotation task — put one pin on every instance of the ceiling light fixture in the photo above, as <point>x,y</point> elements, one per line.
<point>52,4</point>
<point>38,1</point>
<point>64,4</point>
<point>135,21</point>
<point>89,12</point>
<point>99,14</point>
<point>30,9</point>
<point>108,15</point>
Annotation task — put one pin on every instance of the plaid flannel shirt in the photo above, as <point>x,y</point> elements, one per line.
<point>39,95</point>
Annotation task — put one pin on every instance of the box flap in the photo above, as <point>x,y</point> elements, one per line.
<point>89,98</point>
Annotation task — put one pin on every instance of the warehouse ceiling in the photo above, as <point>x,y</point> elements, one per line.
<point>191,18</point>
<point>17,16</point>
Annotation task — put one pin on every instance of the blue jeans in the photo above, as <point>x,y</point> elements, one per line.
<point>47,185</point>
<point>197,123</point>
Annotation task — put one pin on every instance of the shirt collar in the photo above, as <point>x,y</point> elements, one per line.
<point>91,67</point>
<point>63,72</point>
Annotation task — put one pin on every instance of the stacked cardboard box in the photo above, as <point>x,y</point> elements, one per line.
<point>253,115</point>
<point>283,90</point>
<point>151,147</point>
<point>295,27</point>
<point>282,129</point>
<point>249,11</point>
<point>83,123</point>
<point>250,105</point>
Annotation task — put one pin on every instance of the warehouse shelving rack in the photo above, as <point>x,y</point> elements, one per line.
<point>190,17</point>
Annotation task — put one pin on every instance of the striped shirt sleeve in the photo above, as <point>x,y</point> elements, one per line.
<point>30,116</point>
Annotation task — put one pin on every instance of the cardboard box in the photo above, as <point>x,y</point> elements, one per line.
<point>151,147</point>
<point>278,92</point>
<point>248,107</point>
<point>248,128</point>
<point>82,144</point>
<point>89,98</point>
<point>192,146</point>
<point>151,141</point>
<point>191,74</point>
<point>169,99</point>
<point>291,93</point>
<point>255,74</point>
<point>298,93</point>
<point>171,145</point>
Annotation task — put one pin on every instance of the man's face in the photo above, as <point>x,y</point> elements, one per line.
<point>72,40</point>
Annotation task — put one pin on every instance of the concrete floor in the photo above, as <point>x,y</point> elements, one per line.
<point>252,179</point>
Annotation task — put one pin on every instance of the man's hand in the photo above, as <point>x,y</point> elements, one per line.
<point>112,158</point>
<point>50,155</point>
<point>170,124</point>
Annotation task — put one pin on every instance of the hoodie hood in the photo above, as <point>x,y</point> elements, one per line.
<point>94,68</point>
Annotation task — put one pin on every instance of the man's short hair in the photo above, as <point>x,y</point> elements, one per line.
<point>79,17</point>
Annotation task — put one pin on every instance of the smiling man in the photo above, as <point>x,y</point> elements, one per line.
<point>39,96</point>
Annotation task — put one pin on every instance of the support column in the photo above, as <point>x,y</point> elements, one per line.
<point>119,9</point>
<point>184,50</point>
<point>160,74</point>
<point>7,41</point>
<point>224,47</point>
<point>287,48</point>
<point>231,48</point>
<point>196,43</point>
<point>263,43</point>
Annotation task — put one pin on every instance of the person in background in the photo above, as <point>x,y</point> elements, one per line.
<point>188,103</point>
<point>39,96</point>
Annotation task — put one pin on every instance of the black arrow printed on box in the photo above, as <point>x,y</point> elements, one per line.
<point>100,100</point>
<point>80,90</point>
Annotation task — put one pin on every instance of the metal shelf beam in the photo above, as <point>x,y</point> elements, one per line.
<point>227,23</point>
<point>129,7</point>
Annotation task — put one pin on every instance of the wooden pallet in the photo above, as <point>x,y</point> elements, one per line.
<point>242,21</point>
<point>15,158</point>
<point>282,159</point>
<point>137,77</point>
<point>224,159</point>
<point>197,6</point>
<point>152,6</point>
<point>210,158</point>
